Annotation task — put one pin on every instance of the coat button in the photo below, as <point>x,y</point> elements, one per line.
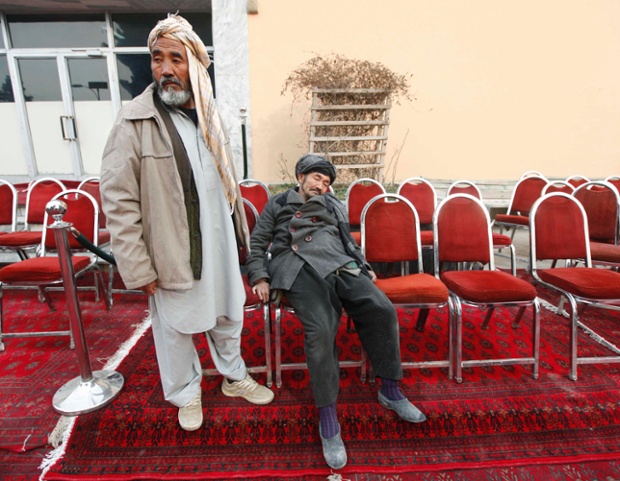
<point>298,214</point>
<point>308,238</point>
<point>294,247</point>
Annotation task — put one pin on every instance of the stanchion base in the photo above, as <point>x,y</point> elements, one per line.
<point>80,397</point>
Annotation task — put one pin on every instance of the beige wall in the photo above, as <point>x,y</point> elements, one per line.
<point>501,86</point>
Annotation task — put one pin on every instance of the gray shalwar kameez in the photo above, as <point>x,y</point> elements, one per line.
<point>214,305</point>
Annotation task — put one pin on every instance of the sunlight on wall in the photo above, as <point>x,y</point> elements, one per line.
<point>500,87</point>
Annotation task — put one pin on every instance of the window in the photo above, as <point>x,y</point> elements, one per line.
<point>6,88</point>
<point>132,30</point>
<point>57,31</point>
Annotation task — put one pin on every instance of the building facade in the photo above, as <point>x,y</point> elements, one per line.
<point>497,87</point>
<point>66,68</point>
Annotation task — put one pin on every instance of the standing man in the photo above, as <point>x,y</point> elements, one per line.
<point>168,187</point>
<point>320,269</point>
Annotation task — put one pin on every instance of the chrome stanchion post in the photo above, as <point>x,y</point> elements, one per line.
<point>91,390</point>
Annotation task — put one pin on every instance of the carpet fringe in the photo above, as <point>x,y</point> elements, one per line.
<point>336,477</point>
<point>61,433</point>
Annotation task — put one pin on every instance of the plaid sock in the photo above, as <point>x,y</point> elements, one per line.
<point>329,421</point>
<point>390,389</point>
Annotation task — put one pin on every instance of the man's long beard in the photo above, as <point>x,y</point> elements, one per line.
<point>171,97</point>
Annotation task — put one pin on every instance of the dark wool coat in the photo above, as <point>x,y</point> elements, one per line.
<point>295,232</point>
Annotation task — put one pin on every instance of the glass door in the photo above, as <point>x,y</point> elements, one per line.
<point>93,113</point>
<point>68,106</point>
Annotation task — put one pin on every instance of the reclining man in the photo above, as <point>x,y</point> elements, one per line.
<point>320,270</point>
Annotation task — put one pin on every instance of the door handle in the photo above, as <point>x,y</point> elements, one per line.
<point>67,126</point>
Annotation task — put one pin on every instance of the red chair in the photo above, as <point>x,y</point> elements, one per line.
<point>251,214</point>
<point>463,236</point>
<point>421,193</point>
<point>8,206</point>
<point>531,173</point>
<point>524,194</point>
<point>91,186</point>
<point>559,231</point>
<point>391,233</point>
<point>601,203</point>
<point>577,180</point>
<point>252,302</point>
<point>44,271</point>
<point>500,241</point>
<point>357,196</point>
<point>558,186</point>
<point>256,192</point>
<point>40,192</point>
<point>614,180</point>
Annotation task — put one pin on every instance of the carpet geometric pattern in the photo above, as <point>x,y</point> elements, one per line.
<point>33,369</point>
<point>498,424</point>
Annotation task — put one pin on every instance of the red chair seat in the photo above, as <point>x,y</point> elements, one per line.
<point>591,283</point>
<point>488,286</point>
<point>426,238</point>
<point>512,219</point>
<point>251,299</point>
<point>501,239</point>
<point>414,289</point>
<point>357,236</point>
<point>39,269</point>
<point>104,237</point>
<point>600,251</point>
<point>21,238</point>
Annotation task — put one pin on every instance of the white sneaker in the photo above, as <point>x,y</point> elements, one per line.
<point>190,415</point>
<point>248,389</point>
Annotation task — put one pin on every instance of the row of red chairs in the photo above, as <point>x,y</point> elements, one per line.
<point>390,233</point>
<point>39,265</point>
<point>401,290</point>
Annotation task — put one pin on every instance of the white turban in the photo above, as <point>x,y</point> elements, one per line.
<point>177,28</point>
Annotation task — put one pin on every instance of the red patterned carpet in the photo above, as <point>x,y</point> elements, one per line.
<point>499,424</point>
<point>33,369</point>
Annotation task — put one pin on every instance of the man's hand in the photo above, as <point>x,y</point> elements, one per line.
<point>150,288</point>
<point>261,289</point>
<point>373,276</point>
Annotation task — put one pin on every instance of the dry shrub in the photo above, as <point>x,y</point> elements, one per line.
<point>349,82</point>
<point>338,72</point>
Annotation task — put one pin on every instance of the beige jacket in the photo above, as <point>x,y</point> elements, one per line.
<point>143,201</point>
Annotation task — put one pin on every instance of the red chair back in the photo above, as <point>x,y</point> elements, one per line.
<point>422,195</point>
<point>251,214</point>
<point>558,186</point>
<point>464,187</point>
<point>82,212</point>
<point>577,180</point>
<point>91,186</point>
<point>527,191</point>
<point>390,229</point>
<point>8,204</point>
<point>614,180</point>
<point>40,192</point>
<point>358,195</point>
<point>256,192</point>
<point>462,231</point>
<point>601,203</point>
<point>557,218</point>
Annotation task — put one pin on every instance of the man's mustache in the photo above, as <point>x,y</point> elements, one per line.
<point>173,80</point>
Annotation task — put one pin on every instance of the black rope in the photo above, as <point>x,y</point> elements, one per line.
<point>106,256</point>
